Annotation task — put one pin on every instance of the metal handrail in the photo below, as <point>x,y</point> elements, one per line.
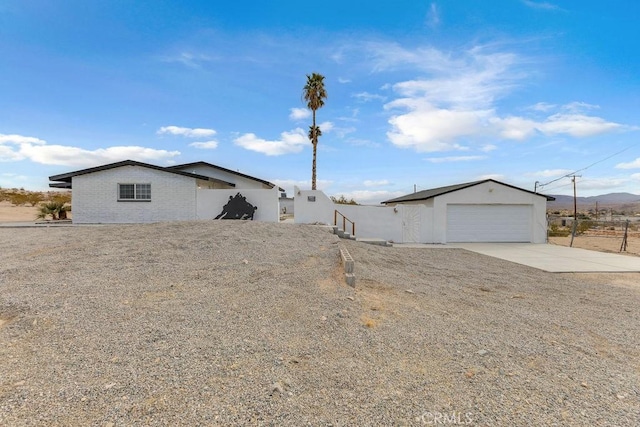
<point>344,221</point>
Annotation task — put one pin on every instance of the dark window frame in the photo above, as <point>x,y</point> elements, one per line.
<point>135,192</point>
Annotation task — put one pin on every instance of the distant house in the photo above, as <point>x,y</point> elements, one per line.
<point>133,192</point>
<point>481,211</point>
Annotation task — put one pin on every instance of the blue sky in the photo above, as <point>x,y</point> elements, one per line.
<point>424,93</point>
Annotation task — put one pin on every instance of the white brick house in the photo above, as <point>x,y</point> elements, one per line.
<point>134,192</point>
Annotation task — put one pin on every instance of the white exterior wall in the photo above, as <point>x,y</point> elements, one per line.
<point>239,181</point>
<point>210,203</point>
<point>95,197</point>
<point>386,222</point>
<point>320,211</point>
<point>382,222</point>
<point>495,194</point>
<point>430,218</point>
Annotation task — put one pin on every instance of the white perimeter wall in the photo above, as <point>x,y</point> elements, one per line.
<point>423,222</point>
<point>382,222</point>
<point>95,197</point>
<point>210,203</point>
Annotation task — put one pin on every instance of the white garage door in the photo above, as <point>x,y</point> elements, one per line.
<point>489,223</point>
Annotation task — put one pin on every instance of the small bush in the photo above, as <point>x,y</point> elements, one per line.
<point>583,226</point>
<point>343,200</point>
<point>556,231</point>
<point>56,210</point>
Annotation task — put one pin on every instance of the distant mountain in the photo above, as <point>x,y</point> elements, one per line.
<point>611,199</point>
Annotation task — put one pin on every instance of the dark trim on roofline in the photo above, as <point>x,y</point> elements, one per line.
<point>453,188</point>
<point>201,163</point>
<point>66,177</point>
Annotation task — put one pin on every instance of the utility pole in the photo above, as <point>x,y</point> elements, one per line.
<point>575,202</point>
<point>535,187</point>
<point>596,211</point>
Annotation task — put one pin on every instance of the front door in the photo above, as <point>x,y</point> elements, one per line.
<point>411,224</point>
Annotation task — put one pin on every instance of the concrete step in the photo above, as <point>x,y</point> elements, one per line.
<point>374,241</point>
<point>342,234</point>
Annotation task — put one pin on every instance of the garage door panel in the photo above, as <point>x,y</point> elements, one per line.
<point>489,223</point>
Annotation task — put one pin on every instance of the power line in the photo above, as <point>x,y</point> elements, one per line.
<point>587,167</point>
<point>559,186</point>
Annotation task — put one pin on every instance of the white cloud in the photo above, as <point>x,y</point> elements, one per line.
<point>343,80</point>
<point>575,125</point>
<point>635,164</point>
<point>542,106</point>
<point>189,59</point>
<point>8,154</point>
<point>187,132</point>
<point>488,148</point>
<point>207,145</point>
<point>540,5</point>
<point>578,107</point>
<point>549,173</point>
<point>326,127</point>
<point>496,176</point>
<point>454,159</point>
<point>376,183</point>
<point>600,183</point>
<point>38,151</point>
<point>433,16</point>
<point>74,156</point>
<point>361,142</point>
<point>429,129</point>
<point>457,100</point>
<point>367,97</point>
<point>290,142</point>
<point>19,139</point>
<point>299,114</point>
<point>517,128</point>
<point>288,184</point>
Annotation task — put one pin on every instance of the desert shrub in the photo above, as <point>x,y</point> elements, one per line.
<point>556,231</point>
<point>18,199</point>
<point>56,210</point>
<point>583,226</point>
<point>60,197</point>
<point>34,198</point>
<point>343,200</point>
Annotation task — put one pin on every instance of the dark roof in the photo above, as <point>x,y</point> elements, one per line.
<point>188,165</point>
<point>429,194</point>
<point>65,178</point>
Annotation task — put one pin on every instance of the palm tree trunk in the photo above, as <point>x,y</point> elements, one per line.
<point>314,142</point>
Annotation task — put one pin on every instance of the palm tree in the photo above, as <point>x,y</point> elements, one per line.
<point>314,93</point>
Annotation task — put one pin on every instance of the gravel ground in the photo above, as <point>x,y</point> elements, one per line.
<point>243,323</point>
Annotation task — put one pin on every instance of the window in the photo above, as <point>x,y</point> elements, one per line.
<point>134,192</point>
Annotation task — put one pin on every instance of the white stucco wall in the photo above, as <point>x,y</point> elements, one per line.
<point>424,222</point>
<point>307,212</point>
<point>240,181</point>
<point>495,194</point>
<point>381,222</point>
<point>387,222</point>
<point>210,203</point>
<point>95,197</point>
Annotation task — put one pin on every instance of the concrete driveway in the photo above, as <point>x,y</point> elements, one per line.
<point>555,259</point>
